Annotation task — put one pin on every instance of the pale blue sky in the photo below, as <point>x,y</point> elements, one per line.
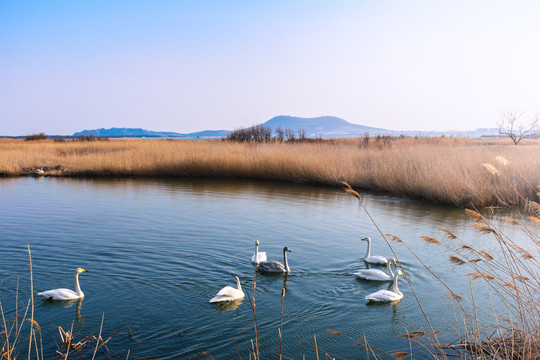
<point>186,66</point>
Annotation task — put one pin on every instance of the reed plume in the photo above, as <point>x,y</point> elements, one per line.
<point>456,260</point>
<point>510,220</point>
<point>474,215</point>
<point>455,296</point>
<point>535,207</point>
<point>486,254</point>
<point>484,229</point>
<point>399,355</point>
<point>492,169</point>
<point>394,238</point>
<point>450,234</point>
<point>502,160</point>
<point>430,240</point>
<point>481,275</point>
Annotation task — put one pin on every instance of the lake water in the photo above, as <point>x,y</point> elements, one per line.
<point>157,251</point>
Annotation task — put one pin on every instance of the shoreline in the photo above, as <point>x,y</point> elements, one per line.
<point>448,171</point>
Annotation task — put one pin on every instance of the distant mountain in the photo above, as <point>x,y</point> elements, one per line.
<point>322,126</point>
<point>331,126</point>
<point>207,134</point>
<point>125,132</point>
<point>136,132</point>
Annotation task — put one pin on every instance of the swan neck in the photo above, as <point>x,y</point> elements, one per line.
<point>395,287</point>
<point>287,269</point>
<point>389,268</point>
<point>368,252</point>
<point>238,286</point>
<point>256,250</point>
<point>77,287</point>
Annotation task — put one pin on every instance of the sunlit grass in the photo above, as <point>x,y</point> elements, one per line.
<point>460,172</point>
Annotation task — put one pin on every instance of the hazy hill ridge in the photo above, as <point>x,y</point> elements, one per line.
<point>322,126</point>
<point>137,132</point>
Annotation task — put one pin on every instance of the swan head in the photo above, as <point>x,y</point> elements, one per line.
<point>80,270</point>
<point>399,272</point>
<point>392,261</point>
<point>257,243</point>
<point>239,287</point>
<point>286,249</point>
<point>367,238</point>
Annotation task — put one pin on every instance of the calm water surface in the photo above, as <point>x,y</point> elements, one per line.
<point>157,251</point>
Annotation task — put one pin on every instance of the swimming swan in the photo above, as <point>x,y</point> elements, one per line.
<point>228,293</point>
<point>65,294</point>
<point>387,295</point>
<point>375,259</point>
<point>273,266</point>
<point>376,274</point>
<point>258,257</point>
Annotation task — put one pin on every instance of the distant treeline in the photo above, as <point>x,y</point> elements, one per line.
<point>261,133</point>
<point>87,137</point>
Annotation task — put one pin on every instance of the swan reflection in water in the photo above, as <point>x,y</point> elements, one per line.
<point>228,306</point>
<point>66,304</point>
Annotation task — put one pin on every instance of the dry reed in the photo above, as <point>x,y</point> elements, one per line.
<point>450,234</point>
<point>430,240</point>
<point>12,348</point>
<point>514,282</point>
<point>441,170</point>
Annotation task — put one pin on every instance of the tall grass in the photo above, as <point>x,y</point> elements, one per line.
<point>12,340</point>
<point>443,170</point>
<point>513,281</point>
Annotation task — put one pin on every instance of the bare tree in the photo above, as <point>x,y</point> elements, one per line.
<point>289,133</point>
<point>280,134</point>
<point>302,134</point>
<point>516,130</point>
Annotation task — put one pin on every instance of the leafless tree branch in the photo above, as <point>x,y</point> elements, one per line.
<point>511,126</point>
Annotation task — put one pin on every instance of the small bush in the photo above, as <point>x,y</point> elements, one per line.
<point>258,133</point>
<point>40,136</point>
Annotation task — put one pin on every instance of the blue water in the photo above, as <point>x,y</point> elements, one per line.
<point>157,251</point>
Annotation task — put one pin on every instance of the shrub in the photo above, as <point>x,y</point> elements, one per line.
<point>40,136</point>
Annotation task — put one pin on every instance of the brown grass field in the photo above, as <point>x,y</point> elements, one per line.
<point>460,172</point>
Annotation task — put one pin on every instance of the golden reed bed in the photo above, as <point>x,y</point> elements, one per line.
<point>461,172</point>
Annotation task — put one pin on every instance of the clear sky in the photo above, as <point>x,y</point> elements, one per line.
<point>194,65</point>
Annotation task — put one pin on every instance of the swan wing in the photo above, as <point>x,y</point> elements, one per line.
<point>228,294</point>
<point>227,291</point>
<point>271,266</point>
<point>373,274</point>
<point>261,257</point>
<point>376,259</point>
<point>384,296</point>
<point>60,294</point>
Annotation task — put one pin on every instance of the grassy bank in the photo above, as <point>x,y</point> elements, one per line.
<point>444,170</point>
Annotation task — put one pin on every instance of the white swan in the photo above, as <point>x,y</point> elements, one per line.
<point>273,266</point>
<point>39,171</point>
<point>65,294</point>
<point>387,295</point>
<point>376,274</point>
<point>375,259</point>
<point>228,293</point>
<point>258,257</point>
